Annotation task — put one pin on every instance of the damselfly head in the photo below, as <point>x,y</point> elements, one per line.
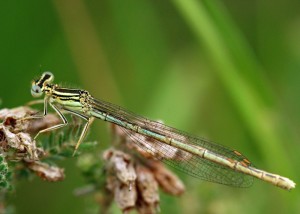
<point>38,86</point>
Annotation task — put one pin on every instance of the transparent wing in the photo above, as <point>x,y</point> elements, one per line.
<point>186,162</point>
<point>189,163</point>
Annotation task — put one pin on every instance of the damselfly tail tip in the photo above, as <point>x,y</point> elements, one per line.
<point>286,183</point>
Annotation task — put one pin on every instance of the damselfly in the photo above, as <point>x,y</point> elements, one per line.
<point>195,156</point>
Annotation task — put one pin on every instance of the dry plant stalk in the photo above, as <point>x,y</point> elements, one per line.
<point>16,143</point>
<point>134,182</point>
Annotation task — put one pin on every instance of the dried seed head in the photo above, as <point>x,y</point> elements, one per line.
<point>47,172</point>
<point>124,198</point>
<point>148,200</point>
<point>121,165</point>
<point>167,180</point>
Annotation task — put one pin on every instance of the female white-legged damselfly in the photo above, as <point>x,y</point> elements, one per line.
<point>195,156</point>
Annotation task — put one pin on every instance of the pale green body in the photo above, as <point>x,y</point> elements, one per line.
<point>195,156</point>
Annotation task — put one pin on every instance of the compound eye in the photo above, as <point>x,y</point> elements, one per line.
<point>48,77</point>
<point>36,91</point>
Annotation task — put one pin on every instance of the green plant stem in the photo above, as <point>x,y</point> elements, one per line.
<point>250,104</point>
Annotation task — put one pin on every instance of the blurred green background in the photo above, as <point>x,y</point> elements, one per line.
<point>225,70</point>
